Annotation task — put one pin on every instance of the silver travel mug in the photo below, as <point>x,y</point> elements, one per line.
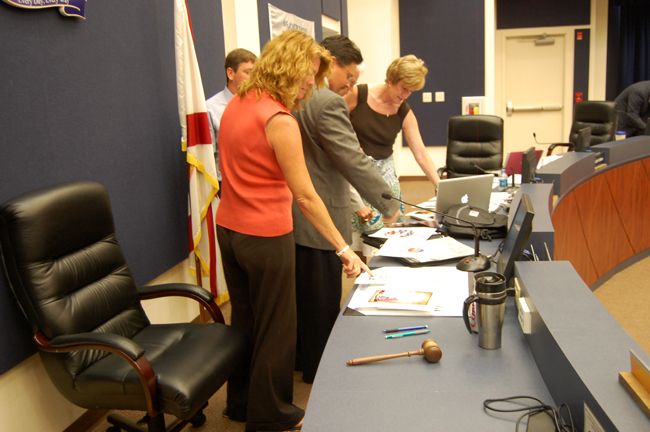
<point>490,299</point>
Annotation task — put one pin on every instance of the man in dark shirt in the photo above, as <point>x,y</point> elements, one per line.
<point>634,108</point>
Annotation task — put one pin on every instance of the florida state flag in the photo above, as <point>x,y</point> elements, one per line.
<point>197,145</point>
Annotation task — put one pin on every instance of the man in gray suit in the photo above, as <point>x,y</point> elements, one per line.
<point>334,160</point>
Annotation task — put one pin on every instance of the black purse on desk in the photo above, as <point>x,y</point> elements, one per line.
<point>490,225</point>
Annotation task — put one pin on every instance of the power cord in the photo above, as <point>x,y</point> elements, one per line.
<point>556,415</point>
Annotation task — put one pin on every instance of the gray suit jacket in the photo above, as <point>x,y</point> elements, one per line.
<point>334,158</point>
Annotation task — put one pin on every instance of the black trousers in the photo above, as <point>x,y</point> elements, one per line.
<point>260,273</point>
<point>318,298</point>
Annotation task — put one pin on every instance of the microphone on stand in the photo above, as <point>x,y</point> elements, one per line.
<point>475,263</point>
<point>488,172</point>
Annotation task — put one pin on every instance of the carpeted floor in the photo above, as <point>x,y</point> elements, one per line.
<point>623,295</point>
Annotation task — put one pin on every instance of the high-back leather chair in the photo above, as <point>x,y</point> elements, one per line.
<point>474,145</point>
<point>71,280</point>
<point>600,116</point>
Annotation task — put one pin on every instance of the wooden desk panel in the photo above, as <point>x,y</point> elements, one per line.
<point>633,202</point>
<point>573,246</point>
<point>603,221</point>
<point>602,225</point>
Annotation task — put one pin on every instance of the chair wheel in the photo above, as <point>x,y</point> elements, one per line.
<point>114,429</point>
<point>198,419</point>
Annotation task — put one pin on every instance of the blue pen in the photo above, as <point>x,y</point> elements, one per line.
<point>416,332</point>
<point>405,329</point>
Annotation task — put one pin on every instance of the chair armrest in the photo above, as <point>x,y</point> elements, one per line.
<point>113,343</point>
<point>441,171</point>
<point>570,147</point>
<point>194,292</point>
<point>97,341</point>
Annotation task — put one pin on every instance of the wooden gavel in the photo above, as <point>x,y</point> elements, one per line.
<point>430,350</point>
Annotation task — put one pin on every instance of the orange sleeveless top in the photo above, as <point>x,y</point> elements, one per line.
<point>255,198</point>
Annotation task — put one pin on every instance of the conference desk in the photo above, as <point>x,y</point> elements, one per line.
<point>408,393</point>
<point>573,356</point>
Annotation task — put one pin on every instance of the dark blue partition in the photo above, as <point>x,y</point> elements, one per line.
<point>542,13</point>
<point>450,38</point>
<point>95,99</point>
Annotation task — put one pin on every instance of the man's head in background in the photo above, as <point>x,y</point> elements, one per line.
<point>346,66</point>
<point>238,65</point>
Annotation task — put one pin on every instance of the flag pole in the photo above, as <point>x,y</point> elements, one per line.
<point>197,261</point>
<point>197,144</point>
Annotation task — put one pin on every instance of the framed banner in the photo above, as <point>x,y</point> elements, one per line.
<point>279,21</point>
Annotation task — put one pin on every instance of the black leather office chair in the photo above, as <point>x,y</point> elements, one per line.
<point>473,141</point>
<point>600,116</point>
<point>69,275</point>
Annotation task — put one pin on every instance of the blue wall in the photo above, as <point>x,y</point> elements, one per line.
<point>95,99</point>
<point>449,37</point>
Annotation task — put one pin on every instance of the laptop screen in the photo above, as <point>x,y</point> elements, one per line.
<point>472,190</point>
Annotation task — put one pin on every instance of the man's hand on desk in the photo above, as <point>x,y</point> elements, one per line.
<point>365,214</point>
<point>392,219</point>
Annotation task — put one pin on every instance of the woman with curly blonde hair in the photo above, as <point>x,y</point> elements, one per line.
<point>378,113</point>
<point>263,170</point>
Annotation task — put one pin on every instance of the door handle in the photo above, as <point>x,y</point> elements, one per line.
<point>510,108</point>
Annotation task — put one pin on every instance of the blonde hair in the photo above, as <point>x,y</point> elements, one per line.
<point>409,69</point>
<point>283,66</point>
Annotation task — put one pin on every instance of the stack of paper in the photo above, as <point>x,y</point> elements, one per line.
<point>415,243</point>
<point>432,291</point>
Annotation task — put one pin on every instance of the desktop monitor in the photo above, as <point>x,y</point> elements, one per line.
<point>528,166</point>
<point>584,139</point>
<point>517,238</point>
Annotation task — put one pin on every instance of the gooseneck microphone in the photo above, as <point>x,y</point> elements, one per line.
<point>475,263</point>
<point>474,165</point>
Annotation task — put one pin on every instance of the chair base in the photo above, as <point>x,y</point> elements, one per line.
<point>156,424</point>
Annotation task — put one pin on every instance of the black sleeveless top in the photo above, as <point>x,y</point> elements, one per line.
<point>376,132</point>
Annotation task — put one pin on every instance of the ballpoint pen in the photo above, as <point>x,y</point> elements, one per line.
<point>416,332</point>
<point>405,329</point>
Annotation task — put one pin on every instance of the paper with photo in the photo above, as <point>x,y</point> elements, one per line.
<point>446,288</point>
<point>436,249</point>
<point>414,233</point>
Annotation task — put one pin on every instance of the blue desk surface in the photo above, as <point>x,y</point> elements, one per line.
<point>408,393</point>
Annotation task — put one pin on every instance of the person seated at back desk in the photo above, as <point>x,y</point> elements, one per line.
<point>634,108</point>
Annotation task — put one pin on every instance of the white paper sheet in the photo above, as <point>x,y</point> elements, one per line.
<point>448,286</point>
<point>436,249</point>
<point>414,233</point>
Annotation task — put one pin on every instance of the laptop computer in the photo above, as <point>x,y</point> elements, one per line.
<point>474,191</point>
<point>513,160</point>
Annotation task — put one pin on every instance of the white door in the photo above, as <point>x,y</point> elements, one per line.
<point>534,81</point>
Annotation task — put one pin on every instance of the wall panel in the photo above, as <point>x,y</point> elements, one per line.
<point>450,38</point>
<point>95,99</point>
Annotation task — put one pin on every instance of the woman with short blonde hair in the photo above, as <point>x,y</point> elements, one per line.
<point>408,69</point>
<point>378,112</point>
<point>263,169</point>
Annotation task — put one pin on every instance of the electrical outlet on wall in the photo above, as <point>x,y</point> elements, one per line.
<point>426,97</point>
<point>440,96</point>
